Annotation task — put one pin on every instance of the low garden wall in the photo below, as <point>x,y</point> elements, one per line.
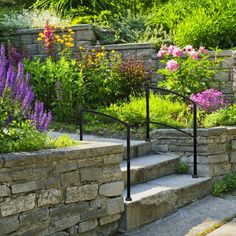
<point>216,148</point>
<point>28,38</point>
<point>69,191</point>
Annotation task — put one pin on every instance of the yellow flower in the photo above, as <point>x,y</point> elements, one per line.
<point>41,35</point>
<point>69,44</point>
<point>64,36</point>
<point>57,36</point>
<point>39,39</point>
<point>81,48</point>
<point>93,50</point>
<point>103,48</point>
<point>70,30</point>
<point>70,39</point>
<point>113,51</point>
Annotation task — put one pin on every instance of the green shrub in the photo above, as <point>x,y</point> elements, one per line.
<point>94,79</point>
<point>227,184</point>
<point>182,167</point>
<point>209,23</point>
<point>221,117</point>
<point>161,110</point>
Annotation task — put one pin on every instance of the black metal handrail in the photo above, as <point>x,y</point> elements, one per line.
<point>194,135</point>
<point>82,111</point>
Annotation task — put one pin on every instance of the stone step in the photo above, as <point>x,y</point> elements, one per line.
<point>158,198</point>
<point>149,167</point>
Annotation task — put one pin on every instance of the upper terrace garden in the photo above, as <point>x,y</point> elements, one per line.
<point>97,79</point>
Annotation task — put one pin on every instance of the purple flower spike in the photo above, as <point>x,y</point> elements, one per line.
<point>13,79</point>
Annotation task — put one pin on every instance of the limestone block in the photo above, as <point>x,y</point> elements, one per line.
<point>81,193</point>
<point>50,197</point>
<point>26,187</point>
<point>222,75</point>
<point>227,63</point>
<point>92,214</point>
<point>8,225</point>
<point>218,158</point>
<point>53,182</point>
<point>67,222</point>
<point>63,210</point>
<point>4,191</point>
<point>90,174</point>
<point>113,159</point>
<point>26,39</point>
<point>70,178</point>
<point>233,144</point>
<point>65,167</point>
<point>73,230</point>
<point>112,189</point>
<point>17,205</point>
<point>233,157</point>
<point>115,205</point>
<point>110,174</point>
<point>34,217</point>
<point>87,226</point>
<point>108,219</point>
<point>220,169</point>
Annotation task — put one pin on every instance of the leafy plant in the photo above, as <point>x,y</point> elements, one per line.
<point>23,19</point>
<point>227,184</point>
<point>64,141</point>
<point>226,116</point>
<point>162,109</point>
<point>187,70</point>
<point>182,167</point>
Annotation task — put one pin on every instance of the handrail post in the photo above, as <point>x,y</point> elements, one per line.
<point>128,197</point>
<point>147,115</point>
<point>195,175</point>
<point>81,124</point>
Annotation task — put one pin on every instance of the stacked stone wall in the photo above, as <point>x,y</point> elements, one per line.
<point>216,149</point>
<point>69,191</point>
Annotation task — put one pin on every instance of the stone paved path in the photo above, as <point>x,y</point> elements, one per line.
<point>193,219</point>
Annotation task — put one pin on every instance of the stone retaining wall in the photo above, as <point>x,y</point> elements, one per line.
<point>216,148</point>
<point>27,38</point>
<point>69,191</point>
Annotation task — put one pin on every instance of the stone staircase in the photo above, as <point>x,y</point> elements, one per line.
<point>156,190</point>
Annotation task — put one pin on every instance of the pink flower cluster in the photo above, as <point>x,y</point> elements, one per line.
<point>172,65</point>
<point>176,52</point>
<point>210,99</point>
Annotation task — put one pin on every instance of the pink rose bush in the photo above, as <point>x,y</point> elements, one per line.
<point>186,70</point>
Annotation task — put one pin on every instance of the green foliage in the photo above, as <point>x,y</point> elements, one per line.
<point>182,167</point>
<point>23,138</point>
<point>95,79</point>
<point>64,141</point>
<point>222,117</point>
<point>227,184</point>
<point>162,110</point>
<point>208,23</point>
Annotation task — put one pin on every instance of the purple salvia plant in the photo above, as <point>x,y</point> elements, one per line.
<point>18,84</point>
<point>40,118</point>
